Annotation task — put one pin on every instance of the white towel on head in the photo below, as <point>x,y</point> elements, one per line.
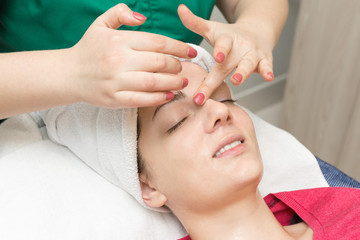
<point>105,139</point>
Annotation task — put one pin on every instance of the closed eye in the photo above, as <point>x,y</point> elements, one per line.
<point>227,101</point>
<point>173,128</point>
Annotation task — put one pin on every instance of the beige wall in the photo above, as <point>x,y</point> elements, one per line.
<point>322,98</point>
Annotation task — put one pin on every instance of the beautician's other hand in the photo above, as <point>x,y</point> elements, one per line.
<point>236,46</point>
<point>117,68</point>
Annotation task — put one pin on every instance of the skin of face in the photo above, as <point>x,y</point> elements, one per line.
<point>181,171</point>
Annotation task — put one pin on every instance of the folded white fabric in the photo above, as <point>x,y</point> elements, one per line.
<point>47,193</point>
<point>105,139</point>
<point>17,132</point>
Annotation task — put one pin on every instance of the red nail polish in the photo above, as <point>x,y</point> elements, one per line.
<point>199,98</point>
<point>169,96</point>
<point>139,16</point>
<point>185,82</point>
<point>220,57</point>
<point>238,77</point>
<point>192,52</point>
<point>270,76</point>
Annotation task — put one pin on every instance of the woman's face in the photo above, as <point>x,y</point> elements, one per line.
<point>196,154</point>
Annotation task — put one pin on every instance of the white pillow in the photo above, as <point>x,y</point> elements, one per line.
<point>46,192</point>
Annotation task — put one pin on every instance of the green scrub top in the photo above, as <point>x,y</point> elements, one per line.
<point>55,24</point>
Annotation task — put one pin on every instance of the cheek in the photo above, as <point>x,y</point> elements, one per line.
<point>183,162</point>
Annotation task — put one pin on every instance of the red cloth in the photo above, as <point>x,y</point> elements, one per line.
<point>331,212</point>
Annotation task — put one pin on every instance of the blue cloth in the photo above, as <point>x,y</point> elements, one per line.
<point>335,177</point>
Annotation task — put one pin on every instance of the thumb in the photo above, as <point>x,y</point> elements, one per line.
<point>119,15</point>
<point>192,22</point>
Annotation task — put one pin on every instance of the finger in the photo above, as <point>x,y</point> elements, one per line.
<point>151,82</point>
<point>119,15</point>
<point>141,99</point>
<point>246,66</point>
<point>265,69</point>
<point>211,82</point>
<point>153,62</point>
<point>222,48</point>
<point>143,41</point>
<point>193,22</point>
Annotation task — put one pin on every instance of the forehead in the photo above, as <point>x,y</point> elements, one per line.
<point>195,74</point>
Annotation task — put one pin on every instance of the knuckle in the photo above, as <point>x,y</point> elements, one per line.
<point>107,63</point>
<point>205,88</point>
<point>121,7</point>
<point>264,63</point>
<point>160,62</point>
<point>223,41</point>
<point>115,40</point>
<point>248,62</point>
<point>172,65</point>
<point>133,100</point>
<point>223,70</point>
<point>159,42</point>
<point>178,67</point>
<point>175,83</point>
<point>150,82</point>
<point>106,100</point>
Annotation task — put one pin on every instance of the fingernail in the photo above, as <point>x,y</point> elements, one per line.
<point>139,16</point>
<point>270,75</point>
<point>185,82</point>
<point>169,95</point>
<point>199,98</point>
<point>220,57</point>
<point>238,77</point>
<point>192,52</point>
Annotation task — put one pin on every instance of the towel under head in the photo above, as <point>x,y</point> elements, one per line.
<point>106,139</point>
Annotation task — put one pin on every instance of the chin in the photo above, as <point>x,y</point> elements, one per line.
<point>250,171</point>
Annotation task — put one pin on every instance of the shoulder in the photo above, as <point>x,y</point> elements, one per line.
<point>334,211</point>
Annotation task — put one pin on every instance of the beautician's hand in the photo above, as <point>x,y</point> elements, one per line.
<point>117,68</point>
<point>236,46</point>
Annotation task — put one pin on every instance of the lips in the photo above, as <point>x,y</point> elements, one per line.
<point>229,146</point>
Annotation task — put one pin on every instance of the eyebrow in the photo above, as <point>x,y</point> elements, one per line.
<point>177,96</point>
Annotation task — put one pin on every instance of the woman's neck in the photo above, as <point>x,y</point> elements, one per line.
<point>246,219</point>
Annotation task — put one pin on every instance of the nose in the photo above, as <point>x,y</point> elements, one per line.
<point>216,115</point>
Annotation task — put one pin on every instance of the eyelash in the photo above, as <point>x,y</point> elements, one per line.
<point>228,101</point>
<point>173,128</point>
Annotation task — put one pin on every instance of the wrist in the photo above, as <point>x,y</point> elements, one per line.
<point>68,76</point>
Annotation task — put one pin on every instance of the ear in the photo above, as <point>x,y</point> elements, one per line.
<point>151,196</point>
